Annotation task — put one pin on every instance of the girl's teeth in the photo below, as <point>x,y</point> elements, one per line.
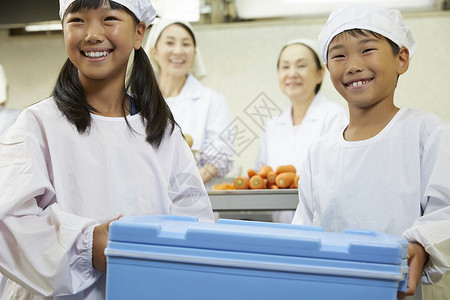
<point>93,54</point>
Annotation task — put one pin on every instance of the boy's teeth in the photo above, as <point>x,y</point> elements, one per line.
<point>93,54</point>
<point>358,83</point>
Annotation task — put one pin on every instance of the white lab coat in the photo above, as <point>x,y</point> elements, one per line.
<point>204,114</point>
<point>7,118</point>
<point>384,183</point>
<point>282,144</point>
<point>58,184</point>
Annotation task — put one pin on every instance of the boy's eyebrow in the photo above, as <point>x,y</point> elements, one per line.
<point>364,41</point>
<point>336,47</point>
<point>369,40</point>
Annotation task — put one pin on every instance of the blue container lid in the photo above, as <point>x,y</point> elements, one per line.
<point>260,237</point>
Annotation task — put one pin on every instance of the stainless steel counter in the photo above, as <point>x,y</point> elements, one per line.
<point>254,200</point>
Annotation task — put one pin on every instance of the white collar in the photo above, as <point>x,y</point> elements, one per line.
<point>191,88</point>
<point>313,112</point>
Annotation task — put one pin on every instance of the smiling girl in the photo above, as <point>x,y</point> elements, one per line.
<point>100,147</point>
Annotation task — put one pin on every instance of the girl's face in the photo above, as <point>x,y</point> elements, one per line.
<point>99,41</point>
<point>298,74</point>
<point>174,51</point>
<point>364,69</point>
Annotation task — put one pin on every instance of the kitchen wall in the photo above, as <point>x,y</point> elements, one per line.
<point>241,64</point>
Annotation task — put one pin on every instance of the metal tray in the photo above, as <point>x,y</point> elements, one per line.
<point>282,199</point>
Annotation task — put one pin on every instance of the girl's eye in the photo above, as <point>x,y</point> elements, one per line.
<point>110,18</point>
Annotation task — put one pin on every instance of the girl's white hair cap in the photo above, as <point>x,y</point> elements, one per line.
<point>142,9</point>
<point>198,68</point>
<point>387,22</point>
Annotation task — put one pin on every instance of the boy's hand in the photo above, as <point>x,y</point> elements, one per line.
<point>417,256</point>
<point>99,242</point>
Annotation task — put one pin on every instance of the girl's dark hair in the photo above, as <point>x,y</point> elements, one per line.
<point>316,60</point>
<point>141,85</point>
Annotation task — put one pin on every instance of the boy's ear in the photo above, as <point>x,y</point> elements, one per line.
<point>403,60</point>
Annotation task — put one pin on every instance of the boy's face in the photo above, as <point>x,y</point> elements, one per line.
<point>364,69</point>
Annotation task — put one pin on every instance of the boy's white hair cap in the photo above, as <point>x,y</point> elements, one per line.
<point>387,22</point>
<point>198,67</point>
<point>3,85</point>
<point>142,9</point>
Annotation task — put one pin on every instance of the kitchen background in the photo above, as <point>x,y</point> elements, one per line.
<point>240,56</point>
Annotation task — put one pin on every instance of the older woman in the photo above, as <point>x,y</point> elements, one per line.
<point>310,115</point>
<point>200,111</point>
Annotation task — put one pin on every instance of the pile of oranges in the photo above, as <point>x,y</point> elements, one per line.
<point>283,177</point>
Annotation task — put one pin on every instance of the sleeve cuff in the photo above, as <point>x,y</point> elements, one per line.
<point>88,237</point>
<point>435,267</point>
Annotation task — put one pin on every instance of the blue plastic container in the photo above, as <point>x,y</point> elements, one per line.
<point>169,257</point>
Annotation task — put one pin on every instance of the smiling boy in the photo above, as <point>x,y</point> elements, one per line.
<point>389,166</point>
<point>364,70</point>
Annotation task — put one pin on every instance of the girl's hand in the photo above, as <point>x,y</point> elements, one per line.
<point>417,257</point>
<point>100,240</point>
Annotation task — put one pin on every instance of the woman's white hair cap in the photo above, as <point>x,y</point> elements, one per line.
<point>198,67</point>
<point>307,42</point>
<point>3,85</point>
<point>387,22</point>
<point>142,9</point>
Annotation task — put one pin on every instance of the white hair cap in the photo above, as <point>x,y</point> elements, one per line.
<point>312,44</point>
<point>198,67</point>
<point>142,9</point>
<point>3,85</point>
<point>387,22</point>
